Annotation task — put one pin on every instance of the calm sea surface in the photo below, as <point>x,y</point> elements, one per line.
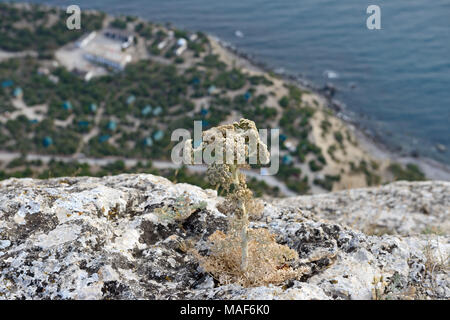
<point>396,81</point>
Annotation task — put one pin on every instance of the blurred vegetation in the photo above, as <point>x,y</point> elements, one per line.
<point>410,172</point>
<point>23,29</point>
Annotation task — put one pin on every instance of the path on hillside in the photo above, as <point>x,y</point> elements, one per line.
<point>93,132</point>
<point>130,162</point>
<point>5,55</point>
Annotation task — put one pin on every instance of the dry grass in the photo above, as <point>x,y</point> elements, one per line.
<point>268,261</point>
<point>436,262</point>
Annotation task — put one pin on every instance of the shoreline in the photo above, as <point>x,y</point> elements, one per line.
<point>433,169</point>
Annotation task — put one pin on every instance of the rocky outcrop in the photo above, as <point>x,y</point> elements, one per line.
<point>116,238</point>
<point>400,208</point>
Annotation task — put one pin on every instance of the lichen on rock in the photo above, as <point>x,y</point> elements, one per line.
<point>68,246</point>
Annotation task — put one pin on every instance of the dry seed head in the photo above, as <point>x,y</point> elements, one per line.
<point>232,144</point>
<point>219,175</point>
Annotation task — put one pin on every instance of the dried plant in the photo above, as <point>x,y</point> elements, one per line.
<point>243,255</point>
<point>268,261</point>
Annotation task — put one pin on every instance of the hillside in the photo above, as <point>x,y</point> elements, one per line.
<point>104,238</point>
<point>63,115</point>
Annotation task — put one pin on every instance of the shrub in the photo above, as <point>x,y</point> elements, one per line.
<point>371,178</point>
<point>284,102</point>
<point>411,172</point>
<point>314,166</point>
<point>339,137</point>
<point>119,24</point>
<point>328,182</point>
<point>325,125</point>
<point>246,256</point>
<point>331,150</point>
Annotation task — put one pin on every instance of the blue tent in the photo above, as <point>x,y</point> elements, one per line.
<point>146,110</point>
<point>157,111</point>
<point>158,135</point>
<point>83,124</point>
<point>247,96</point>
<point>287,159</point>
<point>204,112</point>
<point>131,99</point>
<point>112,125</point>
<point>104,138</point>
<point>211,89</point>
<point>47,141</point>
<point>93,107</point>
<point>148,142</point>
<point>67,105</point>
<point>7,83</point>
<point>17,92</point>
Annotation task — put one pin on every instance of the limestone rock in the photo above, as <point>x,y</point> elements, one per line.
<point>105,238</point>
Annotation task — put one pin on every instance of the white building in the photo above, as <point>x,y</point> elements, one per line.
<point>290,146</point>
<point>181,46</point>
<point>193,37</point>
<point>125,38</point>
<point>112,59</point>
<point>163,44</point>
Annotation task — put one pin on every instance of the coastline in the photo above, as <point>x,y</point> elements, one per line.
<point>433,169</point>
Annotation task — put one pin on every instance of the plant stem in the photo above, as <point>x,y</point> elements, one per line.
<point>244,238</point>
<point>244,222</point>
<point>235,175</point>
